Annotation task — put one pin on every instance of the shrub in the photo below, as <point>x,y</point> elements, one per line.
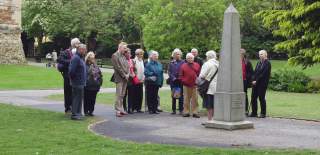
<point>289,81</point>
<point>314,86</point>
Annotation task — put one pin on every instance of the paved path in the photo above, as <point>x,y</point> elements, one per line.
<point>168,129</point>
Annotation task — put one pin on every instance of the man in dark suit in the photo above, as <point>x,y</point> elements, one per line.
<point>260,84</point>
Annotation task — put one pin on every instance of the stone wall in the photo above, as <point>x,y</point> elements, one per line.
<point>11,51</point>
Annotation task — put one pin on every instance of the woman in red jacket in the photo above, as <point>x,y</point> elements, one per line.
<point>188,74</point>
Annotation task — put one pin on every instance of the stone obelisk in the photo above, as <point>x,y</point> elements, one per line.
<point>229,102</point>
<point>11,51</point>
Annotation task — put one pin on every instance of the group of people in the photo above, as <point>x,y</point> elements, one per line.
<point>83,79</point>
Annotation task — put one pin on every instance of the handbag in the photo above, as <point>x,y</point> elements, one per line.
<point>135,80</point>
<point>176,92</point>
<point>204,84</point>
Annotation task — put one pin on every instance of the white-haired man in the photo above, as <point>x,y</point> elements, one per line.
<point>188,74</point>
<point>260,84</point>
<point>197,59</point>
<point>78,78</point>
<point>120,77</point>
<point>63,66</point>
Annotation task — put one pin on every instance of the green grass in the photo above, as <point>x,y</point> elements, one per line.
<point>30,131</point>
<point>29,77</point>
<point>279,104</point>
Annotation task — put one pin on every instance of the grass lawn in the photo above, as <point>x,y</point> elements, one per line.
<point>30,77</point>
<point>30,131</point>
<point>279,104</point>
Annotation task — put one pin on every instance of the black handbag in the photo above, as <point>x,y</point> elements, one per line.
<point>203,85</point>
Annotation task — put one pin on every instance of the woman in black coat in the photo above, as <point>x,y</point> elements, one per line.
<point>260,84</point>
<point>93,84</point>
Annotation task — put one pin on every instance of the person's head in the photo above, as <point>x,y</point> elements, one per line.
<point>127,53</point>
<point>82,49</point>
<point>190,58</point>
<point>263,55</point>
<point>242,53</point>
<point>139,53</point>
<point>75,42</point>
<point>154,55</point>
<point>176,54</point>
<point>211,55</point>
<point>122,47</point>
<point>195,52</point>
<point>90,58</point>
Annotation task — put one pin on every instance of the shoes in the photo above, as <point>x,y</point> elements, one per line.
<point>173,113</point>
<point>76,118</point>
<point>130,112</point>
<point>118,114</point>
<point>67,112</point>
<point>86,114</point>
<point>153,112</point>
<point>123,113</point>
<point>262,116</point>
<point>180,113</point>
<point>253,115</point>
<point>195,116</point>
<point>139,111</point>
<point>186,115</point>
<point>159,110</point>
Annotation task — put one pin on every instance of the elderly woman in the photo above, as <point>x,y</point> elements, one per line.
<point>260,83</point>
<point>93,84</point>
<point>209,72</point>
<point>188,74</point>
<point>138,88</point>
<point>247,72</point>
<point>174,81</point>
<point>154,80</point>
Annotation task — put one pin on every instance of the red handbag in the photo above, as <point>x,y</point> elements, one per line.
<point>135,80</point>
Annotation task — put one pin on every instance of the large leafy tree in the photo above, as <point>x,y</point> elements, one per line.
<point>184,24</point>
<point>298,22</point>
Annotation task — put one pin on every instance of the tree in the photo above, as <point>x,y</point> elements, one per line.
<point>298,22</point>
<point>183,24</point>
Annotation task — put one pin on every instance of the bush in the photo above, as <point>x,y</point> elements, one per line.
<point>289,81</point>
<point>314,86</point>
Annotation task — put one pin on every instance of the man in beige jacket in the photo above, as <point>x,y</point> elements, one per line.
<point>120,76</point>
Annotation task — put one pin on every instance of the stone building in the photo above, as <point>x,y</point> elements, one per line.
<point>11,51</point>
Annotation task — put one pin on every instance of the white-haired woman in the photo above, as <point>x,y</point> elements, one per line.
<point>154,80</point>
<point>209,72</point>
<point>93,84</point>
<point>174,81</point>
<point>260,84</point>
<point>188,74</point>
<point>138,88</point>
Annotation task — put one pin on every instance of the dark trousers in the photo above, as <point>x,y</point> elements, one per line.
<point>174,105</point>
<point>131,98</point>
<point>245,89</point>
<point>67,93</point>
<point>136,96</point>
<point>258,91</point>
<point>77,97</point>
<point>89,101</point>
<point>124,101</point>
<point>152,97</point>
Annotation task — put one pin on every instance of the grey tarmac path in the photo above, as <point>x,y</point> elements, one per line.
<point>173,129</point>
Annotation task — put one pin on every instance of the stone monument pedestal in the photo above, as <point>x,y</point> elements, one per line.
<point>229,125</point>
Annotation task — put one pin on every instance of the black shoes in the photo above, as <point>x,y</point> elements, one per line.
<point>139,111</point>
<point>173,113</point>
<point>253,115</point>
<point>195,116</point>
<point>154,112</point>
<point>159,110</point>
<point>262,116</point>
<point>186,115</point>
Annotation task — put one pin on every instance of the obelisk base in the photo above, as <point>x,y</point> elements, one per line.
<point>229,125</point>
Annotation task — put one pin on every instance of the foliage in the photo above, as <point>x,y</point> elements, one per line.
<point>183,24</point>
<point>298,22</point>
<point>289,81</point>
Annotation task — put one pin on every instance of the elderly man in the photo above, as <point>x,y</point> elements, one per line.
<point>63,66</point>
<point>78,78</point>
<point>121,76</point>
<point>197,59</point>
<point>188,74</point>
<point>260,83</point>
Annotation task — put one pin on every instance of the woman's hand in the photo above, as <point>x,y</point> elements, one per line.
<point>254,83</point>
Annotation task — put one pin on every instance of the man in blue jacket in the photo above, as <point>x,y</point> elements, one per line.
<point>78,75</point>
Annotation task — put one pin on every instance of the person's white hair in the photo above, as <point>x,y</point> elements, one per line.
<point>264,52</point>
<point>75,42</point>
<point>83,46</point>
<point>89,56</point>
<point>152,53</point>
<point>176,51</point>
<point>211,55</point>
<point>189,55</point>
<point>139,50</point>
<point>194,49</point>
